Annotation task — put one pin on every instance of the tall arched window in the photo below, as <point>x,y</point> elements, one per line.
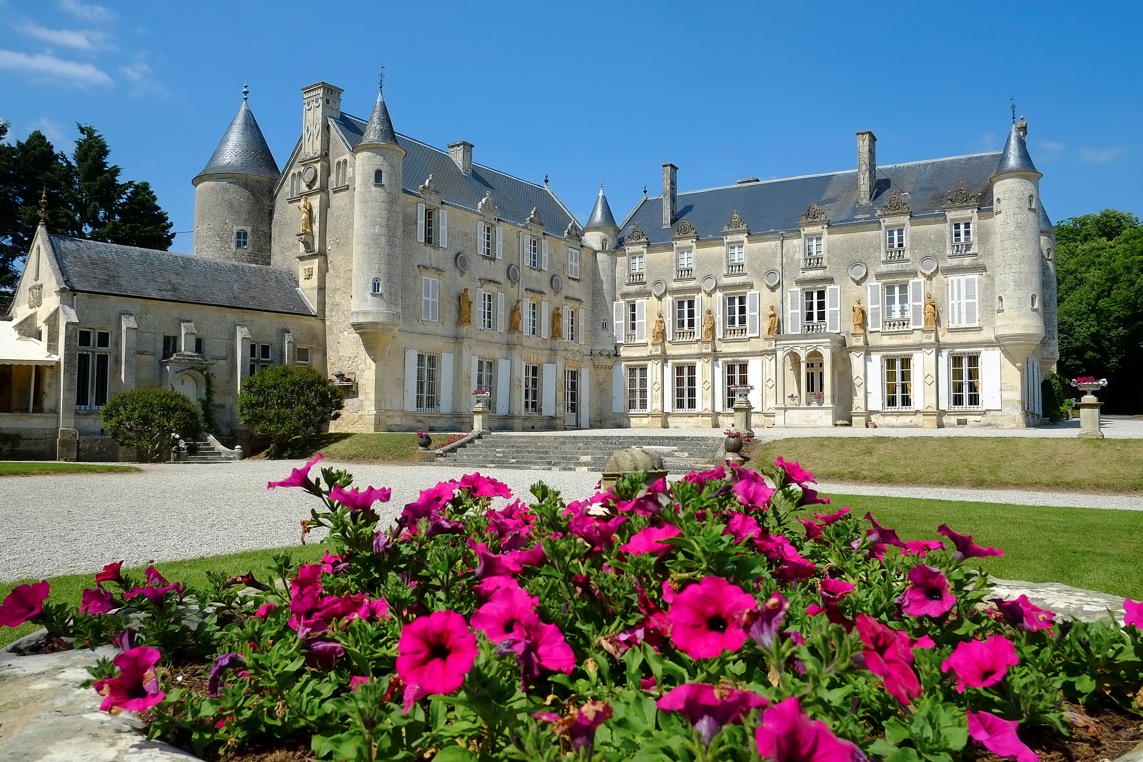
<point>375,287</point>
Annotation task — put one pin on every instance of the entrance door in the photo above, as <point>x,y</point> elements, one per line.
<point>571,397</point>
<point>186,384</point>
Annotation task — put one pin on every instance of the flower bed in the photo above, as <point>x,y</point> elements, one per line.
<point>717,617</point>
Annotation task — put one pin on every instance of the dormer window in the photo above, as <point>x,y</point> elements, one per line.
<point>736,259</point>
<point>962,237</point>
<point>377,177</point>
<point>375,287</point>
<point>813,256</point>
<point>241,239</point>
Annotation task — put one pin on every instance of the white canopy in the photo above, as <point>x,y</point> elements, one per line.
<point>21,350</point>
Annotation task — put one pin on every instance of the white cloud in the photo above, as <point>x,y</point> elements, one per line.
<point>52,131</point>
<point>78,39</point>
<point>1050,146</point>
<point>1102,155</point>
<point>142,79</point>
<point>87,11</point>
<point>989,142</point>
<point>50,67</point>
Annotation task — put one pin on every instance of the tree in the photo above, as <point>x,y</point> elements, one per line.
<point>85,198</point>
<point>1099,269</point>
<point>146,419</point>
<point>288,403</point>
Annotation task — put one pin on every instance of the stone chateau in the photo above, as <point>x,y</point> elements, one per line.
<point>916,294</point>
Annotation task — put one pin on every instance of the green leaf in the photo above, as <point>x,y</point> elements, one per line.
<point>455,754</point>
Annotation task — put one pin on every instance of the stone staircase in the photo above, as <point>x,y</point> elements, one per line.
<point>203,451</point>
<point>556,452</point>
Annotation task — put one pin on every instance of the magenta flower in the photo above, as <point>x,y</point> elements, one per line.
<point>434,653</point>
<point>154,577</point>
<point>880,535</point>
<point>830,518</point>
<point>540,645</point>
<point>98,601</point>
<point>742,527</point>
<point>702,478</point>
<point>221,664</point>
<point>920,547</point>
<point>998,736</point>
<point>579,728</point>
<point>110,573</point>
<point>24,603</point>
<point>794,472</point>
<point>788,735</point>
<point>981,663</point>
<point>299,477</point>
<point>649,540</point>
<point>707,618</point>
<point>764,624</point>
<point>709,707</point>
<point>789,565</point>
<point>889,655</point>
<point>811,496</point>
<point>264,610</point>
<point>430,501</point>
<point>505,614</point>
<point>359,500</point>
<point>484,486</point>
<point>135,688</point>
<point>1024,615</point>
<point>834,591</point>
<point>1133,613</point>
<point>156,596</point>
<point>752,490</point>
<point>928,593</point>
<point>324,653</point>
<point>965,547</point>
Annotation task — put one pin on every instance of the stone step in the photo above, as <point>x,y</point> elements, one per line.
<point>553,452</point>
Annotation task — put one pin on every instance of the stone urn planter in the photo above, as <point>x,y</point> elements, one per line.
<point>423,440</point>
<point>733,442</point>
<point>1089,406</point>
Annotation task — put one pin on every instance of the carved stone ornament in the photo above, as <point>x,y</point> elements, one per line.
<point>308,273</point>
<point>895,205</point>
<point>487,206</point>
<point>573,232</point>
<point>685,230</point>
<point>636,235</point>
<point>35,295</point>
<point>814,215</point>
<point>428,186</point>
<point>534,217</point>
<point>736,224</point>
<point>961,197</point>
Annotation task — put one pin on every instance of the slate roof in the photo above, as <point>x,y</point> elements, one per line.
<point>242,150</point>
<point>1014,157</point>
<point>107,268</point>
<point>601,215</point>
<point>380,126</point>
<point>515,198</point>
<point>774,205</point>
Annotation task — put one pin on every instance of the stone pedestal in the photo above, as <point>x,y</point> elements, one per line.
<point>742,415</point>
<point>67,445</point>
<point>1089,417</point>
<point>479,417</point>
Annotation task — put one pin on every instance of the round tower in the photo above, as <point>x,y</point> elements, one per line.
<point>602,234</point>
<point>1019,307</point>
<point>1050,347</point>
<point>234,194</point>
<point>377,226</point>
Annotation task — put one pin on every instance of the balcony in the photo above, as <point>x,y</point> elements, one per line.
<point>962,249</point>
<point>629,338</point>
<point>895,255</point>
<point>734,332</point>
<point>736,268</point>
<point>815,262</point>
<point>814,327</point>
<point>684,334</point>
<point>635,279</point>
<point>684,273</point>
<point>895,324</point>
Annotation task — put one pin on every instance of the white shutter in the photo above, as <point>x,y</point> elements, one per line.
<point>443,213</point>
<point>545,316</point>
<point>874,292</point>
<point>426,289</point>
<point>446,382</point>
<point>543,253</point>
<point>873,382</point>
<point>956,301</point>
<point>917,381</point>
<point>480,308</point>
<point>565,316</point>
<point>503,386</point>
<point>617,390</point>
<point>700,398</point>
<point>499,243</point>
<point>410,379</point>
<point>548,400</point>
<point>753,310</point>
<point>971,302</point>
<point>699,315</point>
<point>640,320</point>
<point>500,311</point>
<point>794,311</point>
<point>668,387</point>
<point>669,305</point>
<point>944,373</point>
<point>472,379</point>
<point>916,303</point>
<point>754,378</point>
<point>990,392</point>
<point>719,382</point>
<point>585,384</point>
<point>719,301</point>
<point>618,320</point>
<point>479,238</point>
<point>421,223</point>
<point>582,326</point>
<point>833,309</point>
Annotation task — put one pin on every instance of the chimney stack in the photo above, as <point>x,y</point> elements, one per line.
<point>461,153</point>
<point>866,166</point>
<point>670,191</point>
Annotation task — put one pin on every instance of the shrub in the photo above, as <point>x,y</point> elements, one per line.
<point>1056,396</point>
<point>288,404</point>
<point>146,418</point>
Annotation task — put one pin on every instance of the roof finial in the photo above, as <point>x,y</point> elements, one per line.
<point>44,206</point>
<point>1012,99</point>
<point>245,92</point>
<point>381,79</point>
<point>644,191</point>
<point>545,178</point>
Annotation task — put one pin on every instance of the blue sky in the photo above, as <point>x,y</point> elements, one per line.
<point>598,91</point>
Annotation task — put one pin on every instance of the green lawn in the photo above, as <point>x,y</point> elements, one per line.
<point>381,448</point>
<point>20,468</point>
<point>1072,465</point>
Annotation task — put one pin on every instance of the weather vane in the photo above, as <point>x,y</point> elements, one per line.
<point>381,78</point>
<point>1013,100</point>
<point>245,91</point>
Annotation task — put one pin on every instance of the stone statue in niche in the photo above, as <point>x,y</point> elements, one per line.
<point>557,323</point>
<point>659,330</point>
<point>858,317</point>
<point>771,322</point>
<point>306,210</point>
<point>931,313</point>
<point>514,318</point>
<point>464,316</point>
<point>708,326</point>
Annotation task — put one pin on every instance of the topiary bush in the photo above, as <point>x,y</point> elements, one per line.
<point>1056,395</point>
<point>288,404</point>
<point>146,419</point>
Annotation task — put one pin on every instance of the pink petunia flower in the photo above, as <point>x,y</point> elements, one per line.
<point>707,618</point>
<point>135,688</point>
<point>832,518</point>
<point>1024,615</point>
<point>538,645</point>
<point>434,654</point>
<point>155,595</point>
<point>998,736</point>
<point>702,478</point>
<point>24,603</point>
<point>356,681</point>
<point>154,577</point>
<point>788,735</point>
<point>928,593</point>
<point>299,477</point>
<point>889,655</point>
<point>218,668</point>
<point>794,472</point>
<point>324,654</point>
<point>98,601</point>
<point>359,500</point>
<point>1133,613</point>
<point>765,623</point>
<point>709,707</point>
<point>484,486</point>
<point>505,614</point>
<point>744,528</point>
<point>649,540</point>
<point>919,548</point>
<point>264,610</point>
<point>981,663</point>
<point>965,547</point>
<point>752,490</point>
<point>880,535</point>
<point>110,573</point>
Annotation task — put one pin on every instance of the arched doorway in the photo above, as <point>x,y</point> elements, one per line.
<point>187,384</point>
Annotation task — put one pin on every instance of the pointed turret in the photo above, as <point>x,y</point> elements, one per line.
<point>379,130</point>
<point>1015,156</point>
<point>601,215</point>
<point>242,150</point>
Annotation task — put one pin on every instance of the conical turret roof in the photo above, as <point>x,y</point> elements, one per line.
<point>379,130</point>
<point>601,216</point>
<point>243,150</point>
<point>1015,156</point>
